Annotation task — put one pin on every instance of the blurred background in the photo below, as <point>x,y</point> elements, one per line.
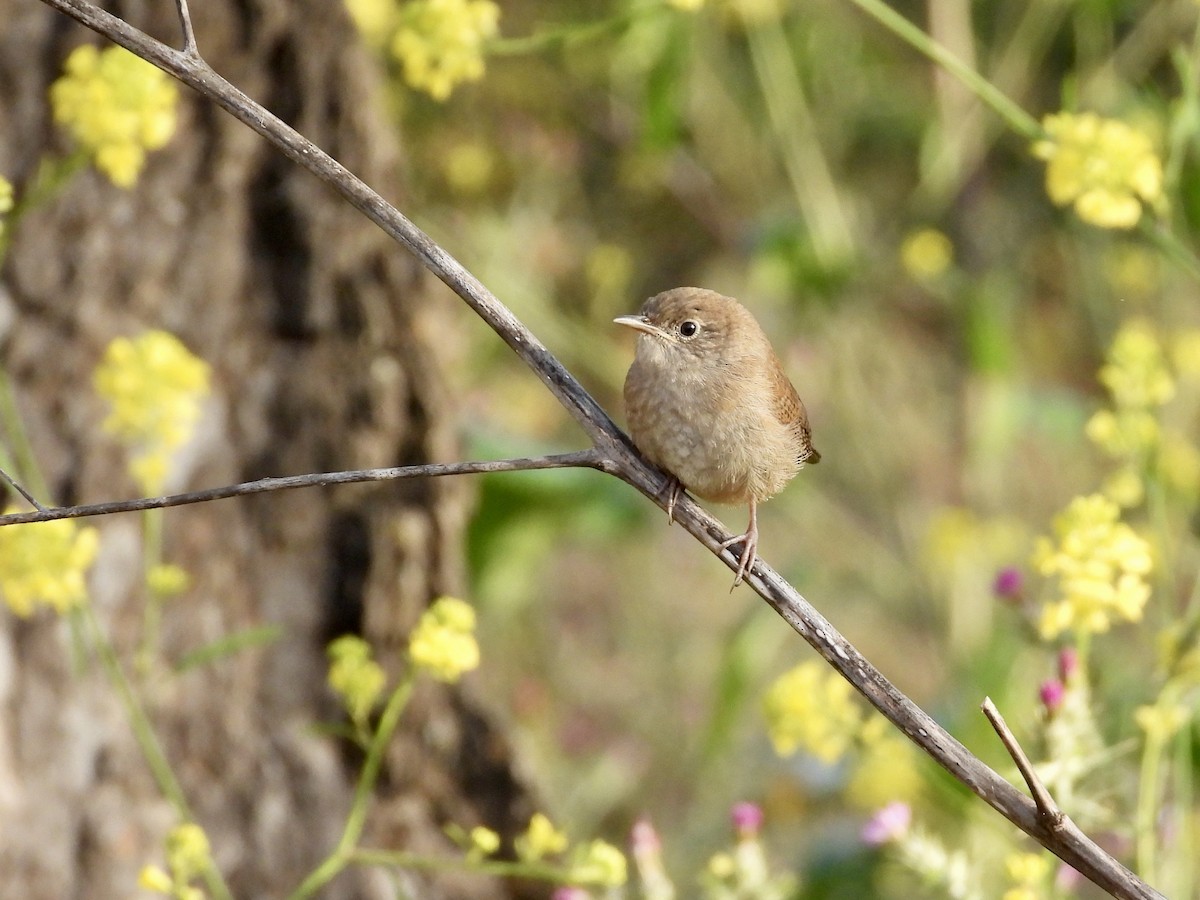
<point>943,320</point>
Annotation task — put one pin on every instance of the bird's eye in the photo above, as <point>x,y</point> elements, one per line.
<point>689,328</point>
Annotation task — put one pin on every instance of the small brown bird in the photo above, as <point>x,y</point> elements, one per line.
<point>708,401</point>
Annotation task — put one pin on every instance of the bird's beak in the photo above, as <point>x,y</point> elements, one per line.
<point>639,323</point>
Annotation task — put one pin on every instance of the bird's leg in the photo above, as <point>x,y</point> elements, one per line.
<point>674,489</point>
<point>749,545</point>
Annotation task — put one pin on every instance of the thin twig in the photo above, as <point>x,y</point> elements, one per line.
<point>185,25</point>
<point>20,490</point>
<point>590,459</point>
<point>1041,797</point>
<point>616,455</point>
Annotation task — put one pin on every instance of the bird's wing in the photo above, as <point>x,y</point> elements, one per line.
<point>790,411</point>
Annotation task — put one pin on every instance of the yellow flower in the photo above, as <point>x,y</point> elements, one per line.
<point>484,841</point>
<point>926,254</point>
<point>167,580</point>
<point>1185,353</point>
<point>810,708</point>
<point>1161,722</point>
<point>117,107</point>
<point>1028,869</point>
<point>1136,372</point>
<point>440,42</point>
<point>540,839</point>
<point>886,772</point>
<point>375,19</point>
<point>355,676</point>
<point>153,878</point>
<point>155,387</point>
<point>188,853</point>
<point>686,5</point>
<point>45,562</point>
<point>1139,381</point>
<point>1101,565</point>
<point>598,863</point>
<point>1105,167</point>
<point>721,865</point>
<point>443,643</point>
<point>188,856</point>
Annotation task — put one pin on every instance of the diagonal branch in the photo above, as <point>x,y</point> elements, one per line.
<point>617,456</point>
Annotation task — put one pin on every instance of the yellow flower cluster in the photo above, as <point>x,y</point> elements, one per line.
<point>443,643</point>
<point>355,676</point>
<point>117,107</point>
<point>1162,721</point>
<point>1101,564</point>
<point>154,386</point>
<point>1140,382</point>
<point>1105,167</point>
<point>886,770</point>
<point>188,856</point>
<point>810,708</point>
<point>439,43</point>
<point>45,563</point>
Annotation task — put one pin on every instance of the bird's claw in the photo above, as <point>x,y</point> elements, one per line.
<point>748,557</point>
<point>674,489</point>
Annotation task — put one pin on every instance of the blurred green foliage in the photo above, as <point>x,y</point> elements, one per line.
<point>806,159</point>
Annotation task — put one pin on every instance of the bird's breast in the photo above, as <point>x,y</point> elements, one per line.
<point>711,427</point>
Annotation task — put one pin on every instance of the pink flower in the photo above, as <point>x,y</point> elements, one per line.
<point>1009,583</point>
<point>887,825</point>
<point>1051,694</point>
<point>747,819</point>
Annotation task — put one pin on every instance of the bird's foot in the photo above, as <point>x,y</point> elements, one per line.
<point>749,556</point>
<point>674,489</point>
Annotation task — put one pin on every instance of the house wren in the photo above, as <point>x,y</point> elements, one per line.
<point>708,401</point>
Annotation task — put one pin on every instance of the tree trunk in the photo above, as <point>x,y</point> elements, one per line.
<point>323,345</point>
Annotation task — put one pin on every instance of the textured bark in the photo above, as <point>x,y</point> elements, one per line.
<point>322,344</point>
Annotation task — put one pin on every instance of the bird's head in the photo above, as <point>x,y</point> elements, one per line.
<point>691,326</point>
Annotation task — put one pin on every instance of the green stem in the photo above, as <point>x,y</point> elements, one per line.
<point>23,465</point>
<point>575,33</point>
<point>152,535</point>
<point>343,853</point>
<point>403,860</point>
<point>147,740</point>
<point>807,169</point>
<point>54,173</point>
<point>1171,246</point>
<point>1145,830</point>
<point>1017,119</point>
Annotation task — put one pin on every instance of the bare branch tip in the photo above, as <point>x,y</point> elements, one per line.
<point>1047,808</point>
<point>185,23</point>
